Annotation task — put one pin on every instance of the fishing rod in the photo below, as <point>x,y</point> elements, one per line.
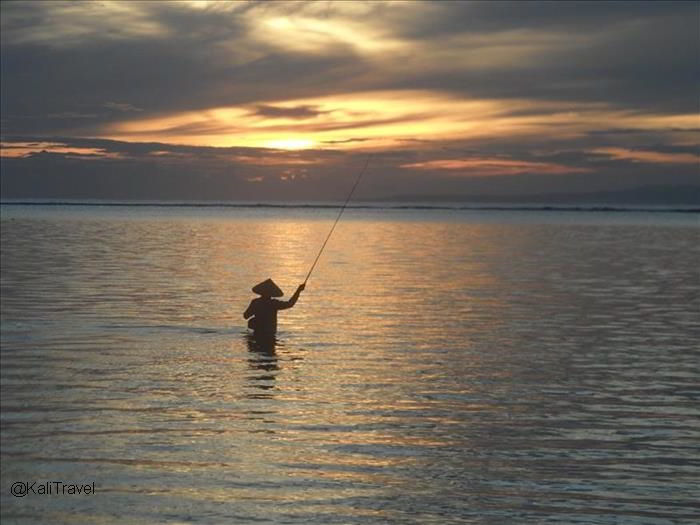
<point>338,217</point>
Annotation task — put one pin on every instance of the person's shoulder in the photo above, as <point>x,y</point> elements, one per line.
<point>257,301</point>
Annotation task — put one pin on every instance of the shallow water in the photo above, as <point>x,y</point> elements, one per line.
<point>441,367</point>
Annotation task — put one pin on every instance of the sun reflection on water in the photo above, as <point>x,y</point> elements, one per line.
<point>432,369</point>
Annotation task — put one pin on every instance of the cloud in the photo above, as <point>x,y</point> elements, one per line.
<point>170,57</point>
<point>68,24</point>
<point>72,115</point>
<point>346,141</point>
<point>62,166</point>
<point>654,157</point>
<point>301,112</point>
<point>121,106</point>
<point>484,166</point>
<point>605,88</point>
<point>20,149</point>
<point>387,119</point>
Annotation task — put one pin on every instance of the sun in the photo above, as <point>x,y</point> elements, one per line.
<point>297,143</point>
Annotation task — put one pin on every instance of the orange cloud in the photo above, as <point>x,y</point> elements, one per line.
<point>271,160</point>
<point>649,156</point>
<point>24,149</point>
<point>484,166</point>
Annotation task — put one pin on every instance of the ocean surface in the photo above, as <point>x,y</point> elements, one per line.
<point>443,366</point>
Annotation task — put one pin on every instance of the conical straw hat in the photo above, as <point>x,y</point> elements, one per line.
<point>268,288</point>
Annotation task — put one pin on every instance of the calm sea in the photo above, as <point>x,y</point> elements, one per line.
<point>443,366</point>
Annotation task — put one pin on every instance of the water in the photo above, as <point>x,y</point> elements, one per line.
<point>443,366</point>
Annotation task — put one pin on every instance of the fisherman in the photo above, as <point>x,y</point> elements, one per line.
<point>263,310</point>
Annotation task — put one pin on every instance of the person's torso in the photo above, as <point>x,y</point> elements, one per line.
<point>265,312</point>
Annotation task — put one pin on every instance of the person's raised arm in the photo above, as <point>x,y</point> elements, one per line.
<point>283,305</point>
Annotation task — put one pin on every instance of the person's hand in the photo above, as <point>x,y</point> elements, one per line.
<point>301,287</point>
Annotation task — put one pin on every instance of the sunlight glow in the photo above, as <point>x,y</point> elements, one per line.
<point>289,144</point>
<point>315,35</point>
<point>363,119</point>
<point>376,119</point>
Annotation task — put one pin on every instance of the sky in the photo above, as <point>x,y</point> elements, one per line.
<point>263,101</point>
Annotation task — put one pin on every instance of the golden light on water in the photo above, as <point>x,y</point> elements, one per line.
<point>418,351</point>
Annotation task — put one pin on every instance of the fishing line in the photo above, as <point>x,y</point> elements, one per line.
<point>338,217</point>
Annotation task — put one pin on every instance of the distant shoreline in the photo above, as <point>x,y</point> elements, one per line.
<point>365,206</point>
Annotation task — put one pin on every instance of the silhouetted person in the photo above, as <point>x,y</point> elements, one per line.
<point>263,309</point>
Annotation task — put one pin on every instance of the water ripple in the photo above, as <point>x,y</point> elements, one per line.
<point>438,369</point>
